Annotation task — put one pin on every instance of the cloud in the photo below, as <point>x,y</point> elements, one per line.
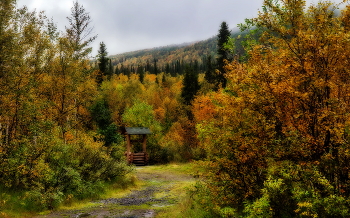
<point>136,24</point>
<point>127,25</point>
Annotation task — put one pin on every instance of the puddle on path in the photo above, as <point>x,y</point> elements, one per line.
<point>140,203</point>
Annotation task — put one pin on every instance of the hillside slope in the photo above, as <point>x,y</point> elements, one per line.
<point>168,58</point>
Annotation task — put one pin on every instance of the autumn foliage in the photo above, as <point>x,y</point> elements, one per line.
<point>48,148</point>
<point>277,137</point>
<point>60,117</point>
<point>273,142</point>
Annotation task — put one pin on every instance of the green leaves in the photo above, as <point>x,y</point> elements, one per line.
<point>141,114</point>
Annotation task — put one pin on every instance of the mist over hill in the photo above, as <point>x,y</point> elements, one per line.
<point>169,58</point>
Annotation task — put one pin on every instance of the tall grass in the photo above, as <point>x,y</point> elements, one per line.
<point>19,203</point>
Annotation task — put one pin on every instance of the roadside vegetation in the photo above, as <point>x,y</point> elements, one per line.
<point>157,191</point>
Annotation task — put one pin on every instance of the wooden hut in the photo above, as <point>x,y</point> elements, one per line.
<point>136,135</point>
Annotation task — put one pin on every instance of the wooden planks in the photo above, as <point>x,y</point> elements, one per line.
<point>139,159</point>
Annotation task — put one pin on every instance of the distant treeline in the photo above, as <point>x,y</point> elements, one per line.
<point>172,59</point>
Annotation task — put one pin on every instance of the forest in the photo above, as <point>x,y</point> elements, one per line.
<point>172,59</point>
<point>264,114</point>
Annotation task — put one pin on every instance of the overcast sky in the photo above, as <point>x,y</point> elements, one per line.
<point>129,25</point>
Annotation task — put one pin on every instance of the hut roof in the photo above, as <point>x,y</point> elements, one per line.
<point>137,130</point>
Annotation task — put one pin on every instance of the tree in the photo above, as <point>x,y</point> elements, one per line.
<point>278,146</point>
<point>103,62</point>
<point>223,37</point>
<point>110,71</point>
<point>142,114</point>
<point>190,85</point>
<point>167,68</point>
<point>101,114</point>
<point>8,50</point>
<point>148,66</point>
<point>7,37</point>
<point>80,30</point>
<point>140,72</point>
<point>210,72</point>
<point>44,92</point>
<point>155,68</point>
<point>117,71</point>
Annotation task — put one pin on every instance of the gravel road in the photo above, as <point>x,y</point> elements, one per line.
<point>139,203</point>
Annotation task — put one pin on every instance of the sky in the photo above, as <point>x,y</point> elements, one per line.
<point>129,25</point>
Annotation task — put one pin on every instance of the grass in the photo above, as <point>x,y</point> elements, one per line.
<point>181,204</point>
<point>174,168</point>
<point>116,189</point>
<point>176,177</point>
<point>185,208</point>
<point>13,204</point>
<point>9,203</point>
<point>179,177</point>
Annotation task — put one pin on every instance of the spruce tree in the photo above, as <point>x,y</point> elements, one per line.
<point>103,62</point>
<point>164,81</point>
<point>140,72</point>
<point>155,68</point>
<point>167,68</point>
<point>210,72</point>
<point>110,69</point>
<point>196,67</point>
<point>223,54</point>
<point>122,69</point>
<point>79,31</point>
<point>148,67</point>
<point>190,85</point>
<point>116,71</point>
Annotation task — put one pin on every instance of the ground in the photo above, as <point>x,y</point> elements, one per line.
<point>161,188</point>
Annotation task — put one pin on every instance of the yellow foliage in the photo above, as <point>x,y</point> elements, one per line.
<point>203,109</point>
<point>288,101</point>
<point>159,113</point>
<point>150,78</point>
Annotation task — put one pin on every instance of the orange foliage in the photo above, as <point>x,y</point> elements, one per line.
<point>150,78</point>
<point>159,113</point>
<point>203,109</point>
<point>288,102</point>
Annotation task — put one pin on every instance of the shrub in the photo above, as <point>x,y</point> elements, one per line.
<point>54,171</point>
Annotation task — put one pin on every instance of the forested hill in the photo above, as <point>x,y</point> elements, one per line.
<point>169,59</point>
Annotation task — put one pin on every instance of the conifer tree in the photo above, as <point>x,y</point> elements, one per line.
<point>155,68</point>
<point>103,62</point>
<point>222,53</point>
<point>163,79</point>
<point>122,69</point>
<point>117,71</point>
<point>196,67</point>
<point>167,68</point>
<point>140,72</point>
<point>210,72</point>
<point>110,69</point>
<point>79,31</point>
<point>148,67</point>
<point>190,85</point>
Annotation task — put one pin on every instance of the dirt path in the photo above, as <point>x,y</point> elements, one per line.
<point>163,187</point>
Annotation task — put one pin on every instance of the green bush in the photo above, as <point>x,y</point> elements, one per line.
<point>203,200</point>
<point>141,114</point>
<point>51,171</point>
<point>297,190</point>
<point>40,199</point>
